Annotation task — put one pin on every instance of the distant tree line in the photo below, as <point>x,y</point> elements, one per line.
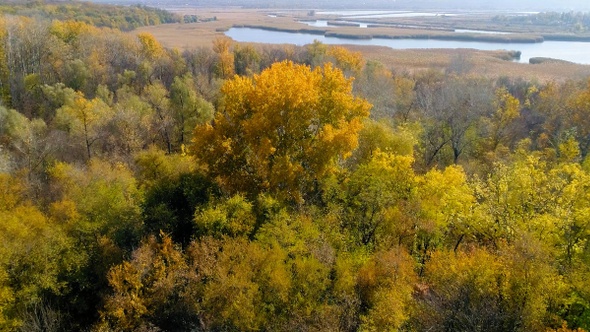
<point>124,18</point>
<point>573,21</point>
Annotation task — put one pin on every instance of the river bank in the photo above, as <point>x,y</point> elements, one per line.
<point>491,63</point>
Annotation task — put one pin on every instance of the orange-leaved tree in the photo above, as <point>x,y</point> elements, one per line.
<point>281,131</point>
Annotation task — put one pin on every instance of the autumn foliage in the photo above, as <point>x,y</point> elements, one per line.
<point>149,189</point>
<point>281,131</point>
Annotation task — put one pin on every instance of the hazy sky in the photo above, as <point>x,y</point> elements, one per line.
<point>532,5</point>
<point>501,5</point>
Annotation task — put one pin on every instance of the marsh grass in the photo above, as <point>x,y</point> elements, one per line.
<point>490,63</point>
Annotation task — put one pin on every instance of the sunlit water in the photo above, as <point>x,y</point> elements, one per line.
<point>408,14</point>
<point>485,32</point>
<point>360,12</point>
<point>324,23</point>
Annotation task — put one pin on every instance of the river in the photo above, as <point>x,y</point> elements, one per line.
<point>578,52</point>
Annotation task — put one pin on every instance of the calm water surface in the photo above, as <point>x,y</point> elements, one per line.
<point>486,32</point>
<point>578,52</point>
<point>393,15</point>
<point>360,12</point>
<point>324,23</point>
<point>380,13</point>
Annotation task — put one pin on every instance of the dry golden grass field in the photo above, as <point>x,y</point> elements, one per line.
<point>193,35</point>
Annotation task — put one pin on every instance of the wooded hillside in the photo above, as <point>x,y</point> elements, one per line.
<point>242,188</point>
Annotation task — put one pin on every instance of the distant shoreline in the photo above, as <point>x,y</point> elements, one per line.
<point>452,36</point>
<point>489,62</point>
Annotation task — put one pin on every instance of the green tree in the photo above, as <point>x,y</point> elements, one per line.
<point>374,191</point>
<point>106,200</point>
<point>171,202</point>
<point>84,119</point>
<point>157,97</point>
<point>247,60</point>
<point>28,141</point>
<point>130,128</point>
<point>316,53</point>
<point>233,217</point>
<point>5,95</point>
<point>189,108</point>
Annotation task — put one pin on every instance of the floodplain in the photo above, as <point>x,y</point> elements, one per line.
<point>480,27</point>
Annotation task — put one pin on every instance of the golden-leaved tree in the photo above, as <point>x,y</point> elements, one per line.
<point>281,131</point>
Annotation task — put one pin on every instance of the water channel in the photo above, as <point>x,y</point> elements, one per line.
<point>578,52</point>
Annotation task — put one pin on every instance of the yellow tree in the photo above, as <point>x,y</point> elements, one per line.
<point>225,66</point>
<point>70,31</point>
<point>149,288</point>
<point>346,60</point>
<point>282,130</point>
<point>385,287</point>
<point>382,135</point>
<point>446,203</point>
<point>507,110</point>
<point>34,257</point>
<point>509,290</point>
<point>150,47</point>
<point>156,61</point>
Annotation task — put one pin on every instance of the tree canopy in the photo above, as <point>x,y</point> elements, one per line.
<point>281,188</point>
<point>281,131</point>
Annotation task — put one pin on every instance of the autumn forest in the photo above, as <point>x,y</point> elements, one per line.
<point>244,187</point>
